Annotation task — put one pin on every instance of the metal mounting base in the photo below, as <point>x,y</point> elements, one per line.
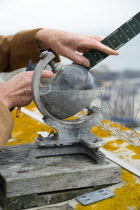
<point>79,148</point>
<point>72,137</point>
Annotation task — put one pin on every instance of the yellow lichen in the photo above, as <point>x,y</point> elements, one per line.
<point>125,197</point>
<point>122,128</point>
<point>25,129</point>
<point>100,132</point>
<point>72,118</point>
<point>105,121</point>
<point>115,125</point>
<point>121,157</point>
<point>83,112</point>
<point>119,141</point>
<point>136,150</point>
<point>31,106</point>
<point>110,146</point>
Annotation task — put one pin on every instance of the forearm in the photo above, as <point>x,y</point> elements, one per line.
<point>5,94</point>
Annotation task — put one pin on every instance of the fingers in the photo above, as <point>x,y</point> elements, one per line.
<point>94,44</point>
<point>20,93</point>
<point>102,46</point>
<point>84,50</point>
<point>91,44</point>
<point>79,59</point>
<point>98,38</point>
<point>47,74</point>
<point>106,49</point>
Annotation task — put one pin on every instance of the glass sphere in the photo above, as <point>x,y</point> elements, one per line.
<point>72,77</point>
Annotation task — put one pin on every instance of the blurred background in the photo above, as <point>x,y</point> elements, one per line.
<point>91,17</point>
<point>120,75</point>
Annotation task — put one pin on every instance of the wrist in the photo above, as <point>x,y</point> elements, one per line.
<point>42,39</point>
<point>5,97</point>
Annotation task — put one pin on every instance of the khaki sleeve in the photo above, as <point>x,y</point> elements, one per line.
<point>6,124</point>
<point>16,50</point>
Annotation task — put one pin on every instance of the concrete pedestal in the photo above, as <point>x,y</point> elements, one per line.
<point>30,182</point>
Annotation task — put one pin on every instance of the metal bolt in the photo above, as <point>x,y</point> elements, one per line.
<point>40,137</point>
<point>96,140</point>
<point>51,133</point>
<point>55,66</point>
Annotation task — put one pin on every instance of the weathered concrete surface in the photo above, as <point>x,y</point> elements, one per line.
<point>60,206</point>
<point>113,143</point>
<point>43,199</point>
<point>27,182</point>
<point>24,176</point>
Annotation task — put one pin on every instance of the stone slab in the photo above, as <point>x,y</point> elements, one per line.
<point>60,206</point>
<point>21,176</point>
<point>42,199</point>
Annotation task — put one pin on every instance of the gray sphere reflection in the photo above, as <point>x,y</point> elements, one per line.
<point>73,77</point>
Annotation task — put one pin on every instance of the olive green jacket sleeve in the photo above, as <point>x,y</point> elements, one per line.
<point>15,52</point>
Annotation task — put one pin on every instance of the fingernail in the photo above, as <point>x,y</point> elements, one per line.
<point>116,53</point>
<point>87,64</point>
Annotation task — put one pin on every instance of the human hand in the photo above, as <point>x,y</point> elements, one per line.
<point>17,92</point>
<point>66,44</point>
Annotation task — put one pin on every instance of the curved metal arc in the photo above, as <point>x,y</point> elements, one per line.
<point>36,93</point>
<point>36,82</point>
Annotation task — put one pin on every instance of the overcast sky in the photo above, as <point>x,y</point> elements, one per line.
<point>99,17</point>
<point>70,15</point>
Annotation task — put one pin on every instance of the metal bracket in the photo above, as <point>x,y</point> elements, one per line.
<point>95,196</point>
<point>73,136</point>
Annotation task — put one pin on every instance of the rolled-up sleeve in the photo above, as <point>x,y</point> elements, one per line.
<point>16,50</point>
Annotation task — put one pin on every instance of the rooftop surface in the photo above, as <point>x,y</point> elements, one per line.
<point>121,141</point>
